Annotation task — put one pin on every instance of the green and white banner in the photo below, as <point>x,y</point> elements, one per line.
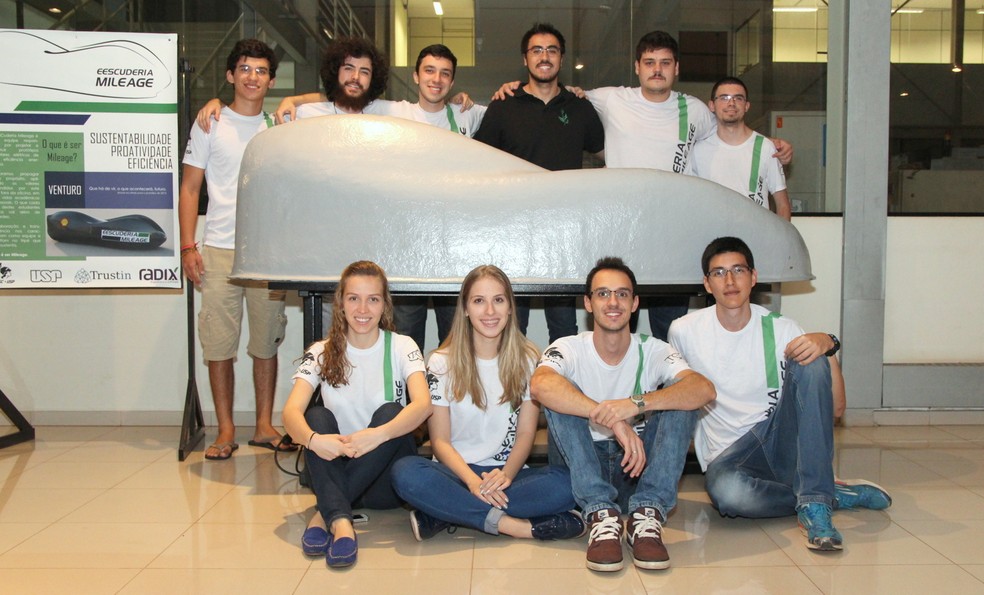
<point>88,160</point>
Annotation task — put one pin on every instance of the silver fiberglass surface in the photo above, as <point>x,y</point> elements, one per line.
<point>429,205</point>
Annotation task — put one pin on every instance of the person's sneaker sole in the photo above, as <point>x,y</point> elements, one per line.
<point>824,544</point>
<point>651,564</point>
<point>610,567</point>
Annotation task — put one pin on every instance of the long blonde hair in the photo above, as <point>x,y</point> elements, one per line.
<point>517,354</point>
<point>335,367</point>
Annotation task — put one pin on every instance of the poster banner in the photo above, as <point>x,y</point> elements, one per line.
<point>88,160</point>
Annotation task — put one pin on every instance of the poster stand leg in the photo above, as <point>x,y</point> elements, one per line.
<point>25,431</point>
<point>192,421</point>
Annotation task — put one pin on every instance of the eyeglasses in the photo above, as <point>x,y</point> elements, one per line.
<point>737,271</point>
<point>552,51</point>
<point>738,99</point>
<point>604,293</point>
<point>259,70</point>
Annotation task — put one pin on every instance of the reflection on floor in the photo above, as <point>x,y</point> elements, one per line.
<point>111,510</point>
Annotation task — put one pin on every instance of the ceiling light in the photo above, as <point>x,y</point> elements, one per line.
<point>956,68</point>
<point>579,65</point>
<point>54,10</point>
<point>908,11</point>
<point>793,9</point>
<point>904,94</point>
<point>438,9</point>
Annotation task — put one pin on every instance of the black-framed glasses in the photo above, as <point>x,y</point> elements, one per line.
<point>737,271</point>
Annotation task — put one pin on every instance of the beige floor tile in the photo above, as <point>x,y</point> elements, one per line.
<point>965,432</point>
<point>69,433</point>
<point>869,538</point>
<point>85,545</point>
<point>962,542</point>
<point>364,578</point>
<point>965,473</point>
<point>144,506</point>
<point>168,473</point>
<point>935,504</point>
<point>847,436</point>
<point>865,580</point>
<point>706,538</point>
<point>13,534</point>
<point>243,505</point>
<point>903,434</point>
<point>555,581</point>
<point>386,546</point>
<point>892,473</point>
<point>57,581</point>
<point>967,451</point>
<point>235,545</point>
<point>41,505</point>
<point>976,570</point>
<point>745,580</point>
<point>214,581</point>
<point>506,552</point>
<point>165,435</point>
<point>68,475</point>
<point>117,452</point>
<point>13,464</point>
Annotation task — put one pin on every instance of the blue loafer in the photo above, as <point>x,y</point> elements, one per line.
<point>342,552</point>
<point>314,542</point>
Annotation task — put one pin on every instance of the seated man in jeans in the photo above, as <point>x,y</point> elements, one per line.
<point>766,442</point>
<point>594,386</point>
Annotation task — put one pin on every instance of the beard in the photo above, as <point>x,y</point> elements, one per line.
<point>349,103</point>
<point>536,76</point>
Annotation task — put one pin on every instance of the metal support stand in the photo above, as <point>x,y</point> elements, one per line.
<point>25,431</point>
<point>192,422</point>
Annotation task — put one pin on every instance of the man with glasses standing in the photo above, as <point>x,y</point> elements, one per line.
<point>737,157</point>
<point>624,441</point>
<point>766,442</point>
<point>549,126</point>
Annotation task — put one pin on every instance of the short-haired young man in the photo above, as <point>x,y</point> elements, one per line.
<point>215,157</point>
<point>737,157</point>
<point>766,442</point>
<point>595,386</point>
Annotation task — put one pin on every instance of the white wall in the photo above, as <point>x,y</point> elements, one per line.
<point>119,357</point>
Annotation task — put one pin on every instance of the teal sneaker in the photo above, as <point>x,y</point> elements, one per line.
<point>816,524</point>
<point>858,493</point>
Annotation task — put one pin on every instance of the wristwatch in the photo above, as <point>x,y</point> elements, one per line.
<point>639,401</point>
<point>836,347</point>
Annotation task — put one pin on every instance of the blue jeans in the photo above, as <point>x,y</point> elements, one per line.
<point>663,310</point>
<point>560,312</point>
<point>786,460</point>
<point>434,489</point>
<point>410,317</point>
<point>342,483</point>
<point>596,474</point>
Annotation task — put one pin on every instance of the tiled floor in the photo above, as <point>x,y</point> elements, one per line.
<point>111,510</point>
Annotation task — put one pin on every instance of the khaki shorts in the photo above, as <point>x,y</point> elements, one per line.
<point>221,318</point>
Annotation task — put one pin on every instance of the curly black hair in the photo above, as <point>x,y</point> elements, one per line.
<point>356,47</point>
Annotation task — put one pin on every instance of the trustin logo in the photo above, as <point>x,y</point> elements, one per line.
<point>84,276</point>
<point>45,276</point>
<point>5,272</point>
<point>159,274</point>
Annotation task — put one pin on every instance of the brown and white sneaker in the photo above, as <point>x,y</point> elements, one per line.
<point>605,541</point>
<point>645,535</point>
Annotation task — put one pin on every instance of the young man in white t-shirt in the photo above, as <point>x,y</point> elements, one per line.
<point>766,442</point>
<point>595,386</point>
<point>214,157</point>
<point>737,157</point>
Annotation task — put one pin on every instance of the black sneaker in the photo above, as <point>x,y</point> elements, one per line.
<point>565,525</point>
<point>425,526</point>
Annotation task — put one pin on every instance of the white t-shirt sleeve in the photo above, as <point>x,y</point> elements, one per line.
<point>663,364</point>
<point>409,358</point>
<point>560,357</point>
<point>775,177</point>
<point>437,379</point>
<point>309,370</point>
<point>199,147</point>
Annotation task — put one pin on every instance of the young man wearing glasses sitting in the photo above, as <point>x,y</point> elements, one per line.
<point>766,442</point>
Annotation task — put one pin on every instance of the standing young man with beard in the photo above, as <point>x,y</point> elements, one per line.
<point>549,126</point>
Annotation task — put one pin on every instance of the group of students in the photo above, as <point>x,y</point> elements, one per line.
<point>622,408</point>
<point>767,451</point>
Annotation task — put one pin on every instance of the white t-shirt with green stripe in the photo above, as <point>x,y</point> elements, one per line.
<point>749,168</point>
<point>375,379</point>
<point>576,359</point>
<point>747,372</point>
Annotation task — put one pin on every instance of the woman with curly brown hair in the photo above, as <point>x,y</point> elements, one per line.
<point>375,395</point>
